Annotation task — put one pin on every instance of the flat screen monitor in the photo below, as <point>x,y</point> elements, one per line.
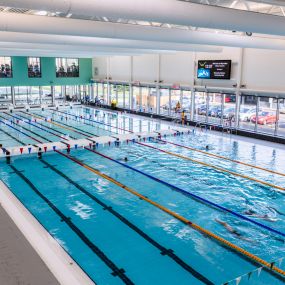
<point>214,69</point>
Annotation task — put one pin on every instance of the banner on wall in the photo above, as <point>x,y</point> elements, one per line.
<point>6,67</point>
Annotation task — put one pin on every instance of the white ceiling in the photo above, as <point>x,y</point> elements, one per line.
<point>269,7</point>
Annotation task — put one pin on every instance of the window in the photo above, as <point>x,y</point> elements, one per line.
<point>34,67</point>
<point>6,67</point>
<point>67,67</point>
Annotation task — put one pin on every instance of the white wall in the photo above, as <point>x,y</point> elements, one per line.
<point>264,69</point>
<point>177,68</point>
<point>261,69</point>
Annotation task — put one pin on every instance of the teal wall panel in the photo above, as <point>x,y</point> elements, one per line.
<point>20,73</point>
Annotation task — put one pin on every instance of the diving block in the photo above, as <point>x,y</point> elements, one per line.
<point>147,135</point>
<point>125,137</point>
<point>103,139</point>
<point>182,130</point>
<point>166,132</point>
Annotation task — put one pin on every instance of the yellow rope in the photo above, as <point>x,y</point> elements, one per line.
<point>182,219</point>
<point>226,158</point>
<point>216,167</point>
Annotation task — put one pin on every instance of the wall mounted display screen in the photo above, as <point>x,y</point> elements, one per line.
<point>6,67</point>
<point>214,69</point>
<point>67,67</point>
<point>34,67</point>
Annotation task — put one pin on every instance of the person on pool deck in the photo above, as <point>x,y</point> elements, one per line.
<point>231,230</point>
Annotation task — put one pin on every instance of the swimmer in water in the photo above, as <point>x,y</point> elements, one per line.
<point>231,230</point>
<point>254,214</point>
<point>207,147</point>
<point>125,159</point>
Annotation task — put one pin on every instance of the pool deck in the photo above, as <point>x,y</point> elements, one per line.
<point>29,255</point>
<point>19,262</point>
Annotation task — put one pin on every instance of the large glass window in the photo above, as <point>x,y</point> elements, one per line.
<point>59,94</point>
<point>228,114</point>
<point>67,67</point>
<point>5,96</point>
<point>215,108</point>
<point>106,93</point>
<point>145,99</point>
<point>175,102</point>
<point>21,95</point>
<point>267,117</point>
<point>201,107</point>
<point>113,93</point>
<point>186,103</point>
<point>127,98</point>
<point>34,95</point>
<point>136,97</point>
<point>46,96</point>
<point>120,95</point>
<point>34,67</point>
<point>152,99</point>
<point>6,67</point>
<point>164,102</point>
<point>281,118</point>
<point>247,112</point>
<point>72,91</point>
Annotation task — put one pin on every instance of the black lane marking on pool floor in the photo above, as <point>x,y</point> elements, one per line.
<point>14,138</point>
<point>83,123</point>
<point>164,251</point>
<point>31,124</point>
<point>80,131</point>
<point>34,133</point>
<point>116,271</point>
<point>44,126</point>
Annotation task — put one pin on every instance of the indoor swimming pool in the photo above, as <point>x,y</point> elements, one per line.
<point>197,208</point>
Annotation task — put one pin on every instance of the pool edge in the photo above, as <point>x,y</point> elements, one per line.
<point>52,254</point>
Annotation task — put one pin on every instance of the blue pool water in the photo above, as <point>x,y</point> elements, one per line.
<point>71,203</point>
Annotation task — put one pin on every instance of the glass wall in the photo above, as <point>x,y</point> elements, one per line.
<point>120,95</point>
<point>59,94</point>
<point>186,102</point>
<point>127,98</point>
<point>21,95</point>
<point>136,98</point>
<point>144,99</point>
<point>201,106</point>
<point>175,108</point>
<point>281,117</point>
<point>152,99</point>
<point>248,110</point>
<point>164,101</point>
<point>215,108</point>
<point>5,96</point>
<point>46,95</point>
<point>267,116</point>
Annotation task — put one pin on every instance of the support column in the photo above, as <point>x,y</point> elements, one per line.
<point>52,96</point>
<point>13,100</point>
<point>192,104</point>
<point>131,83</point>
<point>277,117</point>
